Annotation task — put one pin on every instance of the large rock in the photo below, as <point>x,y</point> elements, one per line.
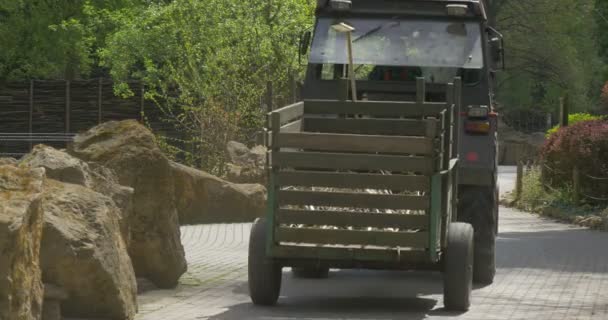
<point>84,253</point>
<point>21,219</point>
<point>63,167</point>
<point>246,165</point>
<point>517,146</point>
<point>131,151</point>
<point>203,198</point>
<point>241,155</point>
<point>8,161</point>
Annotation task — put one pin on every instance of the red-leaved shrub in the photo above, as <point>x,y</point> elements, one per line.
<point>584,144</point>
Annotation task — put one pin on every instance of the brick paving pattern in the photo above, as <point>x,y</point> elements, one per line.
<point>546,270</point>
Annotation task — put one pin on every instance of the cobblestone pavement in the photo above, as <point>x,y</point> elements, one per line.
<point>546,270</point>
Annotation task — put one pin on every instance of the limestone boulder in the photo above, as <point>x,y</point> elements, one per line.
<point>241,155</point>
<point>246,165</point>
<point>83,252</point>
<point>61,166</point>
<point>130,150</point>
<point>21,223</point>
<point>204,198</point>
<point>246,174</point>
<point>8,161</point>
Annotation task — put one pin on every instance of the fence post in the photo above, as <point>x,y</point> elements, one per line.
<point>99,95</point>
<point>31,113</point>
<point>292,88</point>
<point>563,111</point>
<point>142,102</point>
<point>576,183</point>
<point>67,106</point>
<point>549,121</point>
<point>519,180</point>
<point>269,96</point>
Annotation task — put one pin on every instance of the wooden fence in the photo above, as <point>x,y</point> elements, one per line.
<point>43,109</point>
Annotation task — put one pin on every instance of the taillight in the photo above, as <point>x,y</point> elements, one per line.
<point>477,127</point>
<point>472,156</point>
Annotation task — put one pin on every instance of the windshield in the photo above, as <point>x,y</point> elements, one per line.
<point>396,42</point>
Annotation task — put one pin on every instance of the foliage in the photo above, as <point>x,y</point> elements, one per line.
<point>532,187</point>
<point>53,39</point>
<point>206,63</point>
<point>557,203</point>
<point>604,95</point>
<point>573,119</point>
<point>551,48</point>
<point>584,145</point>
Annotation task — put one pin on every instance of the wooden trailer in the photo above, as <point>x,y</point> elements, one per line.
<point>363,185</point>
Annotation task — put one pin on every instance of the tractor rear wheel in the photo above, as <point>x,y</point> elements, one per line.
<point>458,273</point>
<point>264,273</point>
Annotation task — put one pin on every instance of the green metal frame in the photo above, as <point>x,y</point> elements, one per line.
<point>435,215</point>
<point>270,213</point>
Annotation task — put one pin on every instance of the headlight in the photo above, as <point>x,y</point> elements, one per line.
<point>341,5</point>
<point>478,112</point>
<point>458,10</point>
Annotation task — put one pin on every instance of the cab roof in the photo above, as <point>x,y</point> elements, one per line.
<point>431,8</point>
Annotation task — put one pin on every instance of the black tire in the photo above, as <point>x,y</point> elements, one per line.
<point>478,206</point>
<point>458,273</point>
<point>321,272</point>
<point>264,273</point>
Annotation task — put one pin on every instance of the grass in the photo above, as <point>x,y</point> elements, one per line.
<point>557,204</point>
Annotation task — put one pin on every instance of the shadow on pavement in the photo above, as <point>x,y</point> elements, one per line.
<point>349,294</point>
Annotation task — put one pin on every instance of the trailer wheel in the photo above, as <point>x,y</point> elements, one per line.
<point>320,272</point>
<point>479,207</point>
<point>264,273</point>
<point>458,273</point>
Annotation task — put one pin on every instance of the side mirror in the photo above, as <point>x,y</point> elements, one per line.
<point>497,49</point>
<point>304,44</point>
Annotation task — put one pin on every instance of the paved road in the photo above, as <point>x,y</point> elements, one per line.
<point>546,270</point>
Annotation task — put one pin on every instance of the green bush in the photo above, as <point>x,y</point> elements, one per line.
<point>572,119</point>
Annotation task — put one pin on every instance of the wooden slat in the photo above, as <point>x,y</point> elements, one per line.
<point>353,219</point>
<point>432,128</point>
<point>353,180</point>
<point>354,200</point>
<point>402,127</point>
<point>337,161</point>
<point>290,112</point>
<point>373,108</point>
<point>349,254</point>
<point>351,237</point>
<point>295,126</point>
<point>356,143</point>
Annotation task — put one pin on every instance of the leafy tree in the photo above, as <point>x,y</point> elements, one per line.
<point>552,49</point>
<point>53,39</point>
<point>207,62</point>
